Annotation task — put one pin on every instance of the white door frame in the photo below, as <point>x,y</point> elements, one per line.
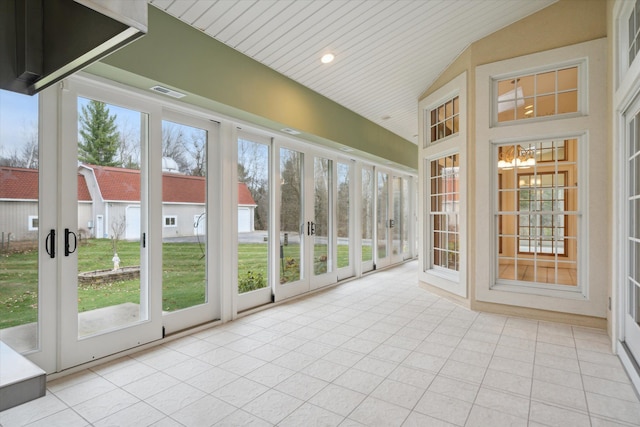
<point>625,82</point>
<point>72,349</point>
<point>309,281</point>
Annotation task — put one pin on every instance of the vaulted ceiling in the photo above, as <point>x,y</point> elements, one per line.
<point>387,53</point>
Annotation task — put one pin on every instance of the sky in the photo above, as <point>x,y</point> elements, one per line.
<point>19,118</point>
<point>18,113</point>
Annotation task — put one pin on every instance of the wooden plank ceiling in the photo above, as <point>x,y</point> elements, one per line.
<point>387,52</point>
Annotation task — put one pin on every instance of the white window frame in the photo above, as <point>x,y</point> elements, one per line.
<point>30,223</point>
<point>428,124</point>
<point>526,286</point>
<point>583,107</point>
<point>626,81</point>
<point>451,281</point>
<point>447,273</point>
<point>591,131</point>
<point>173,217</point>
<point>622,10</point>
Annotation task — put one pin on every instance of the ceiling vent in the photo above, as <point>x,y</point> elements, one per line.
<point>169,92</point>
<point>290,131</point>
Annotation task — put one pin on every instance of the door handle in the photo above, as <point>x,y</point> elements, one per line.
<point>392,223</point>
<point>67,233</point>
<point>50,243</point>
<point>313,228</point>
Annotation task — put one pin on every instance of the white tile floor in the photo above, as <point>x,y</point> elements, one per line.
<point>376,351</point>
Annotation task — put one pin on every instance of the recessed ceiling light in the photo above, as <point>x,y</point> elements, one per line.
<point>528,106</point>
<point>526,113</point>
<point>327,57</point>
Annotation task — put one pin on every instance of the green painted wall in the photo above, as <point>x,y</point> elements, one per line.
<point>216,76</point>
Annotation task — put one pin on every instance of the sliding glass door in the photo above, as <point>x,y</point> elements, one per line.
<point>254,222</point>
<point>106,298</point>
<point>188,298</point>
<point>306,220</point>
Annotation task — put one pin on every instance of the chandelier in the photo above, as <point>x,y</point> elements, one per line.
<point>516,156</point>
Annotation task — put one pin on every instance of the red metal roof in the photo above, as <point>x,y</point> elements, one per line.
<point>22,184</point>
<point>118,184</point>
<point>183,188</point>
<point>244,195</point>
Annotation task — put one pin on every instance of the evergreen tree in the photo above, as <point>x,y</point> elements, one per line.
<point>100,138</point>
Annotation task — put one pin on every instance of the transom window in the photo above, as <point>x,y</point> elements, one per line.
<point>444,120</point>
<point>543,94</point>
<point>634,32</point>
<point>444,211</point>
<point>538,213</point>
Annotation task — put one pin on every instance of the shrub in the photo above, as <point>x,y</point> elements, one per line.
<point>251,281</point>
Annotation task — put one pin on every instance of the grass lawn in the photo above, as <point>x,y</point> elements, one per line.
<point>183,276</point>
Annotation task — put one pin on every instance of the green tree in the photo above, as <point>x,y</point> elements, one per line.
<point>100,137</point>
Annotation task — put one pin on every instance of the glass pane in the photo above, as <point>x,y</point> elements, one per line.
<point>448,127</point>
<point>526,86</point>
<point>366,214</point>
<point>546,83</point>
<point>631,26</point>
<point>291,219</point>
<point>253,215</point>
<point>382,214</point>
<point>545,105</point>
<point>342,210</point>
<point>444,212</point>
<point>184,200</point>
<point>19,230</point>
<point>568,79</point>
<point>526,109</point>
<point>449,109</point>
<point>530,242</point>
<point>110,292</point>
<point>404,222</point>
<point>322,259</point>
<point>568,102</point>
<point>505,87</point>
<point>396,225</point>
